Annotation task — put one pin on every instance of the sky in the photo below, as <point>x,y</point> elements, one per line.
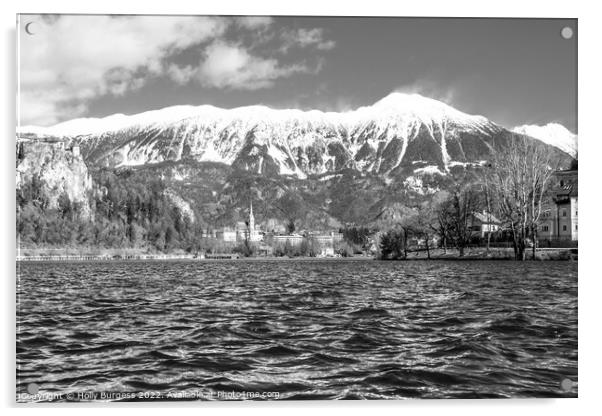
<point>512,71</point>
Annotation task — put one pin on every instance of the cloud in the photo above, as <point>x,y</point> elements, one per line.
<point>303,38</point>
<point>232,65</point>
<point>181,75</point>
<point>431,89</point>
<point>229,65</point>
<point>72,59</point>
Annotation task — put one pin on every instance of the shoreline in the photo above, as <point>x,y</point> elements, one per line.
<point>564,254</point>
<point>187,258</point>
<point>437,254</point>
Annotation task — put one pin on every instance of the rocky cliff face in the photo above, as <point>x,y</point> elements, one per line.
<point>61,170</point>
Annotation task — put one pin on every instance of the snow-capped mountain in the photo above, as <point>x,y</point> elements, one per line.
<point>553,134</point>
<point>398,132</point>
<point>323,168</point>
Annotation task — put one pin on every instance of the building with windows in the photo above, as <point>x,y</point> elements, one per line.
<point>326,238</point>
<point>559,217</point>
<point>484,223</point>
<point>292,239</point>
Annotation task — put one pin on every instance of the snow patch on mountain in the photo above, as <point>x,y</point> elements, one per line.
<point>431,170</point>
<point>416,184</point>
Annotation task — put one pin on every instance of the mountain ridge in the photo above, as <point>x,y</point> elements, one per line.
<point>120,120</point>
<point>372,138</point>
<point>554,134</point>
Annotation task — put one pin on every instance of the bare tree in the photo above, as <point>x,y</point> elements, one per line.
<point>520,173</point>
<point>454,215</point>
<point>443,224</point>
<point>464,202</point>
<point>487,182</point>
<point>436,217</point>
<point>429,220</point>
<point>408,224</point>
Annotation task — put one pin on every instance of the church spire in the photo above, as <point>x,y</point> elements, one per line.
<point>251,217</point>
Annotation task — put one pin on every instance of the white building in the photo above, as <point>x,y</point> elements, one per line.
<point>292,239</point>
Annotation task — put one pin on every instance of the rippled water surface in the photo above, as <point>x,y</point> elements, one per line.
<point>298,329</point>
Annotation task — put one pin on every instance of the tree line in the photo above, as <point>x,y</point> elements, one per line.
<point>126,211</point>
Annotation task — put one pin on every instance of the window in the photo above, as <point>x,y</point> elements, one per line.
<point>544,228</point>
<point>575,227</point>
<point>561,183</point>
<point>564,228</point>
<point>564,212</point>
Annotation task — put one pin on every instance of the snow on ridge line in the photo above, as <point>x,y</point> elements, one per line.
<point>395,104</point>
<point>554,134</point>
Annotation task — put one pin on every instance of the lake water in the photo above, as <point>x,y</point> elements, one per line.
<point>296,329</point>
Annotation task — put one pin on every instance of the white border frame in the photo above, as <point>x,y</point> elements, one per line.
<point>589,96</point>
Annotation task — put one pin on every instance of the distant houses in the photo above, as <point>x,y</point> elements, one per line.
<point>243,231</point>
<point>322,242</point>
<point>324,238</point>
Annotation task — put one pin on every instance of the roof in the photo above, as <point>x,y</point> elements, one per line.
<point>486,217</point>
<point>567,191</point>
<point>570,188</point>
